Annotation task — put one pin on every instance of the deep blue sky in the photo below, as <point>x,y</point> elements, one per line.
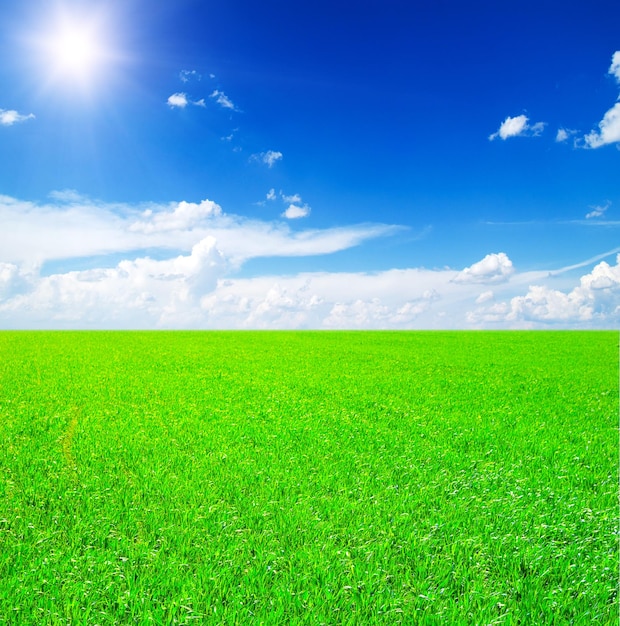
<point>375,113</point>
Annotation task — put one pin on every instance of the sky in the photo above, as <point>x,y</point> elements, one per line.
<point>327,165</point>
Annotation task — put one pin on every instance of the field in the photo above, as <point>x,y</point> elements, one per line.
<point>309,478</point>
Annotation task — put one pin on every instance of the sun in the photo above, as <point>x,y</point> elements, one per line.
<point>75,50</point>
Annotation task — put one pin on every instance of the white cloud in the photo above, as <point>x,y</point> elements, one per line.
<point>609,127</point>
<point>187,75</point>
<point>269,158</point>
<point>184,216</point>
<point>10,117</point>
<point>493,268</point>
<point>294,199</point>
<point>68,196</point>
<point>565,133</point>
<point>595,302</point>
<point>223,100</point>
<point>73,226</point>
<point>485,296</point>
<point>271,194</point>
<point>198,288</point>
<point>598,211</point>
<point>518,126</point>
<point>178,100</point>
<point>614,68</point>
<point>296,208</point>
<point>295,212</point>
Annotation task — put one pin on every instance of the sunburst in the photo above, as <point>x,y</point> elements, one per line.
<point>75,49</point>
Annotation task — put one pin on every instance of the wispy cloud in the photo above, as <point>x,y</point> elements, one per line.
<point>565,133</point>
<point>609,127</point>
<point>293,199</point>
<point>598,210</point>
<point>518,126</point>
<point>189,75</point>
<point>269,158</point>
<point>223,100</point>
<point>73,226</point>
<point>10,117</point>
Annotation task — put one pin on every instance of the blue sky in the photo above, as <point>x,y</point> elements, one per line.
<point>235,164</point>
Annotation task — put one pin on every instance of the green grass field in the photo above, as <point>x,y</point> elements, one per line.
<point>309,478</point>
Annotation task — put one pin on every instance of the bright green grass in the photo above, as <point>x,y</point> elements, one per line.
<point>308,478</point>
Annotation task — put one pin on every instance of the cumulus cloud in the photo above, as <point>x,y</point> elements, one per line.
<point>10,117</point>
<point>609,127</point>
<point>271,194</point>
<point>269,158</point>
<point>598,210</point>
<point>294,211</point>
<point>517,126</point>
<point>182,216</point>
<point>296,207</point>
<point>180,101</point>
<point>198,288</point>
<point>139,293</point>
<point>595,302</point>
<point>223,100</point>
<point>494,268</point>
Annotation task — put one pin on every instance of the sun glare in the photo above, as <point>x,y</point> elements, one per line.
<point>75,50</point>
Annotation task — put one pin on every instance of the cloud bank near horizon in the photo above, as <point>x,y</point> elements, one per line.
<point>194,283</point>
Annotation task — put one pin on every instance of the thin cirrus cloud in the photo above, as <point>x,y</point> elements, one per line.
<point>10,117</point>
<point>609,127</point>
<point>518,126</point>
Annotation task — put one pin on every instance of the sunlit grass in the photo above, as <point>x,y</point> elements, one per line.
<point>308,478</point>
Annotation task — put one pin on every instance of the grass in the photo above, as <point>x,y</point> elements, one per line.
<point>309,478</point>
